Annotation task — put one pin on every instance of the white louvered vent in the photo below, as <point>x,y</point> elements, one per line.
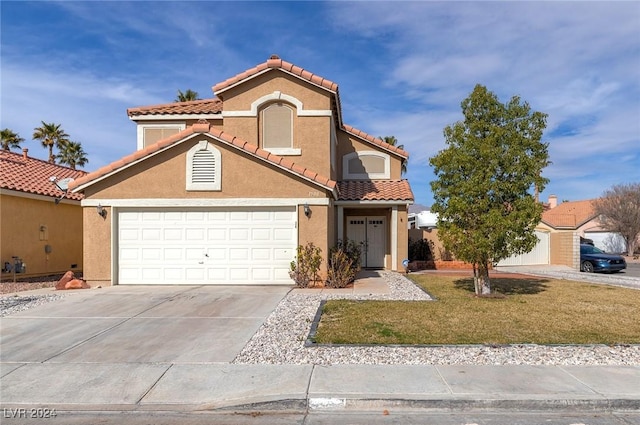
<point>203,167</point>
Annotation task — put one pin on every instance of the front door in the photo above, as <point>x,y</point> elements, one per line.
<point>370,232</point>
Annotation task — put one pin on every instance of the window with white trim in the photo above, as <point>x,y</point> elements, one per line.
<point>277,122</point>
<point>148,134</point>
<point>204,167</point>
<point>366,165</point>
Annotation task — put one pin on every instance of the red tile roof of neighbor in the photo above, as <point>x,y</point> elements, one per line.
<point>204,106</point>
<point>30,175</point>
<point>569,214</point>
<point>374,190</point>
<point>200,128</point>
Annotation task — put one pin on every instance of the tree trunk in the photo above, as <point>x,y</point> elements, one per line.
<point>483,284</point>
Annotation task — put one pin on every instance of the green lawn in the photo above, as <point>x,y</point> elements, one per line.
<point>538,311</point>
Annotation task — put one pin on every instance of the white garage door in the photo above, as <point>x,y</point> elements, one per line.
<point>206,246</point>
<point>539,254</point>
<point>610,242</point>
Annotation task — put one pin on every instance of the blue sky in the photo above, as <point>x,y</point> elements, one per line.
<point>402,67</point>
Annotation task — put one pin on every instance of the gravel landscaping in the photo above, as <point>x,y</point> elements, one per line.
<point>281,340</point>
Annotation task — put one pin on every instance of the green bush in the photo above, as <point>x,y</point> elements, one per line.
<point>420,250</point>
<point>304,271</point>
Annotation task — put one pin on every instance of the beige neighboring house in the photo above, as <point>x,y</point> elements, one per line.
<point>40,225</point>
<point>223,190</point>
<point>569,221</point>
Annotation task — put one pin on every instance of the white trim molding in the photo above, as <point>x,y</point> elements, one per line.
<point>45,198</point>
<point>366,176</point>
<point>394,238</point>
<point>275,96</point>
<point>162,117</point>
<point>142,127</point>
<point>216,167</point>
<point>203,202</point>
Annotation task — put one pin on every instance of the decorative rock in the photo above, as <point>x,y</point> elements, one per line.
<point>69,281</point>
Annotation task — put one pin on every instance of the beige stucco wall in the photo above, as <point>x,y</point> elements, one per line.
<point>311,135</point>
<point>348,144</point>
<point>21,221</point>
<point>164,176</point>
<point>432,236</point>
<point>97,246</point>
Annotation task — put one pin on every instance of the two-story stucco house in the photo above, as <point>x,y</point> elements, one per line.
<point>223,190</point>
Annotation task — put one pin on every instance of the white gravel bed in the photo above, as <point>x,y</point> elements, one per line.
<point>281,340</point>
<point>17,303</point>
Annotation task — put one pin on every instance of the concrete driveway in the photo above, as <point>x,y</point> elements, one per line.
<point>141,324</point>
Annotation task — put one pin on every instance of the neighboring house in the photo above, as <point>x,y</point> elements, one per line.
<point>568,222</point>
<point>40,224</point>
<point>223,190</point>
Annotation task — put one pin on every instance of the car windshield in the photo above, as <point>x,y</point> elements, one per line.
<point>588,249</point>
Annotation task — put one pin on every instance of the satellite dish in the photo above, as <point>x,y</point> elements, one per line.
<point>63,184</point>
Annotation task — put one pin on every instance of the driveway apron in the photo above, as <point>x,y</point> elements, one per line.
<point>150,324</point>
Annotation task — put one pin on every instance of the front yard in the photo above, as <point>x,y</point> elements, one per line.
<point>524,311</point>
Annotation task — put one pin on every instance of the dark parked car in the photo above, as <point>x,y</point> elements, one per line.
<point>593,259</point>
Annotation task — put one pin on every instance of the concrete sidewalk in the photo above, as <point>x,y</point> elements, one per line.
<point>172,348</point>
<point>220,387</point>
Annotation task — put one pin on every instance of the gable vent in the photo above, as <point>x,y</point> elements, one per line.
<point>203,167</point>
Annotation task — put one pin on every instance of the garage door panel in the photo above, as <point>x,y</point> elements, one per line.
<point>538,256</point>
<point>255,245</point>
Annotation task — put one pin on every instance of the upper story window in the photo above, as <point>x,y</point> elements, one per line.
<point>204,166</point>
<point>148,134</point>
<point>277,124</point>
<point>366,165</point>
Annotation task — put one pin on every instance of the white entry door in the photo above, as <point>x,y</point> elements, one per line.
<point>371,233</point>
<point>206,246</point>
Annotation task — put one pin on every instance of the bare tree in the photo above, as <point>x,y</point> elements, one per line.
<point>619,211</point>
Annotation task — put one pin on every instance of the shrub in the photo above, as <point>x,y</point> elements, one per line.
<point>420,250</point>
<point>340,272</point>
<point>304,271</point>
<point>344,263</point>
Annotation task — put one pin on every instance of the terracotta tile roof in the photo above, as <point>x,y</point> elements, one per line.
<point>375,140</point>
<point>569,215</point>
<point>200,128</point>
<point>274,62</point>
<point>204,106</point>
<point>32,175</point>
<point>374,190</point>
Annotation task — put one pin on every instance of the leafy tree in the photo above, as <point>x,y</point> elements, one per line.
<point>492,161</point>
<point>50,134</point>
<point>391,140</point>
<point>187,96</point>
<point>10,140</point>
<point>619,211</point>
<point>72,154</point>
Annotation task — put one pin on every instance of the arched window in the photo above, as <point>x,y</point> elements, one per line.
<point>277,121</point>
<point>204,167</point>
<point>366,165</point>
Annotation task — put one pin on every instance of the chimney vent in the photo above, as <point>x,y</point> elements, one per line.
<point>553,201</point>
<point>25,151</point>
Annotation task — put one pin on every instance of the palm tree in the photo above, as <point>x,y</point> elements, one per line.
<point>187,96</point>
<point>50,135</point>
<point>10,140</point>
<point>391,140</point>
<point>72,154</point>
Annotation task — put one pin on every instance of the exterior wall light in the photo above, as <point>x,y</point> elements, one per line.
<point>307,210</point>
<point>101,211</point>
